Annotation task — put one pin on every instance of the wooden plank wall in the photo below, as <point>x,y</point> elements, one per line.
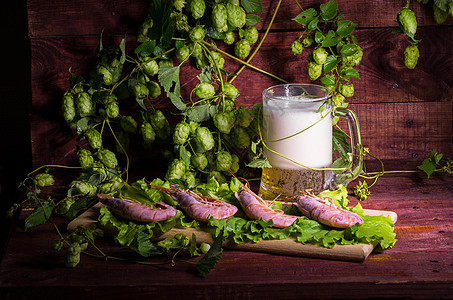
<point>403,114</point>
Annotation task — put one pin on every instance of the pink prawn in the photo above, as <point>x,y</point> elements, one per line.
<point>326,212</point>
<point>199,207</point>
<point>134,210</point>
<point>255,208</point>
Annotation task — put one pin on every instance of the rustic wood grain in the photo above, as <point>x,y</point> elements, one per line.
<point>418,266</point>
<point>121,17</point>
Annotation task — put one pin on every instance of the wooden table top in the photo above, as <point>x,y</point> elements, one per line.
<point>420,265</point>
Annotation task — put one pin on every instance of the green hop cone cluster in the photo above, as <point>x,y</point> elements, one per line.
<point>204,138</point>
<point>230,91</point>
<point>160,125</point>
<point>314,70</point>
<point>240,137</point>
<point>408,25</point>
<point>197,33</point>
<point>68,107</point>
<point>197,8</point>
<point>347,90</point>
<point>224,121</point>
<point>181,133</point>
<point>86,159</point>
<point>150,66</point>
<point>406,18</point>
<point>242,48</point>
<point>143,30</point>
<point>199,161</point>
<point>94,138</point>
<point>411,55</point>
<point>236,14</point>
<point>83,104</point>
<point>320,55</point>
<point>229,38</point>
<point>140,90</point>
<point>112,109</point>
<point>72,257</point>
<point>108,158</point>
<point>147,133</point>
<point>223,161</point>
<point>176,169</point>
<point>83,188</point>
<point>356,58</point>
<point>297,47</point>
<point>179,4</point>
<point>183,53</point>
<point>128,124</point>
<point>243,117</point>
<point>440,16</point>
<point>220,17</point>
<point>216,60</point>
<point>44,179</point>
<point>251,34</point>
<point>204,90</point>
<point>106,75</point>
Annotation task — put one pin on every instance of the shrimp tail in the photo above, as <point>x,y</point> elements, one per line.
<point>136,211</point>
<point>255,208</point>
<point>197,206</point>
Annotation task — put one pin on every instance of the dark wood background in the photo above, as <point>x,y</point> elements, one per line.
<point>403,114</point>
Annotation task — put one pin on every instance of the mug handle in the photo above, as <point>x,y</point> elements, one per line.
<point>356,147</point>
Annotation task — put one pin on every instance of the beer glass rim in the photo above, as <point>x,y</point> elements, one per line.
<point>268,93</point>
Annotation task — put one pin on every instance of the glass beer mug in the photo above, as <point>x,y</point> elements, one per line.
<point>297,132</point>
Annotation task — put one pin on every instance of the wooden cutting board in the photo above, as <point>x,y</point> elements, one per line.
<point>358,252</point>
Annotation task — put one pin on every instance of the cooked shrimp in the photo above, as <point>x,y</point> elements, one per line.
<point>326,212</point>
<point>199,207</point>
<point>255,208</point>
<point>134,210</point>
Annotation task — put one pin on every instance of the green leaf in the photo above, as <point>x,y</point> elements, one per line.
<point>184,155</point>
<point>374,228</point>
<point>83,124</point>
<point>141,103</point>
<point>200,113</point>
<point>305,17</point>
<point>212,33</point>
<point>328,80</point>
<point>210,259</point>
<point>39,216</point>
<point>328,10</point>
<point>163,26</point>
<point>331,62</point>
<point>313,24</point>
<point>235,184</point>
<point>345,28</point>
<point>169,78</point>
<point>146,48</point>
<point>340,143</point>
<point>330,40</point>
<point>429,164</point>
<point>142,245</point>
<point>350,73</point>
<point>123,50</point>
<point>348,50</point>
<point>319,37</point>
<point>252,19</point>
<point>442,4</point>
<point>259,163</point>
<point>252,6</point>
